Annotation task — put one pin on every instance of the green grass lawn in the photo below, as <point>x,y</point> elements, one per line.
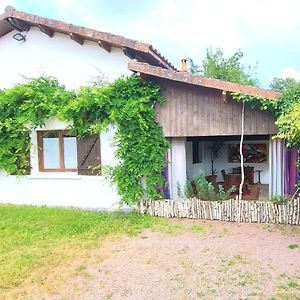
<point>35,237</point>
<point>42,250</point>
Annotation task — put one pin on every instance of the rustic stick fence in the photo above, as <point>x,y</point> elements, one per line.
<point>229,210</point>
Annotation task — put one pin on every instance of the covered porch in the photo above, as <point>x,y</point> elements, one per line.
<point>269,166</point>
<point>218,159</point>
<point>199,111</point>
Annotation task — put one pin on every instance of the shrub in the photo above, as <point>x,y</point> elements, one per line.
<point>280,199</point>
<point>293,246</point>
<point>204,190</point>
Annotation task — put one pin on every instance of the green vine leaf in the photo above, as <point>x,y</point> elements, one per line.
<point>127,104</point>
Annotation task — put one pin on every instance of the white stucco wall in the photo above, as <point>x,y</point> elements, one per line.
<point>62,188</point>
<point>74,65</point>
<point>193,169</point>
<point>178,165</point>
<point>222,163</point>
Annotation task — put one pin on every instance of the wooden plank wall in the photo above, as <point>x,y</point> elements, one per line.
<point>195,111</point>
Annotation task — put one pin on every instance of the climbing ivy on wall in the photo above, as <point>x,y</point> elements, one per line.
<point>127,104</point>
<point>285,109</point>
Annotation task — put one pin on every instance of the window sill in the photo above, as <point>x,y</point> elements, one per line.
<point>63,176</point>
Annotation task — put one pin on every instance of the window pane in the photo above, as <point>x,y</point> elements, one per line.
<point>200,153</point>
<point>51,150</point>
<point>197,152</point>
<point>70,152</point>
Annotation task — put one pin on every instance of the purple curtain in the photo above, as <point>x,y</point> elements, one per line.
<point>165,174</point>
<point>290,171</point>
<point>164,190</point>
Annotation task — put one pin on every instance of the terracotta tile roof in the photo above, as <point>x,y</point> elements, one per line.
<point>13,19</point>
<point>189,78</point>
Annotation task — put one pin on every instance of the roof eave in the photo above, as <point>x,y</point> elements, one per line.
<point>83,33</point>
<point>202,81</point>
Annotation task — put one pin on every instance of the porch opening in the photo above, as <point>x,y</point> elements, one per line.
<point>218,158</point>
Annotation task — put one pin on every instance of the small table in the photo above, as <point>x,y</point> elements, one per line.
<point>258,174</point>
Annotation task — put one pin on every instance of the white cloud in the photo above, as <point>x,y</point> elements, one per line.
<point>191,24</point>
<point>74,9</point>
<point>290,73</point>
<point>186,28</point>
<point>4,3</point>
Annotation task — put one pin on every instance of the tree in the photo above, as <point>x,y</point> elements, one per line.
<point>215,65</point>
<point>283,84</point>
<point>290,95</point>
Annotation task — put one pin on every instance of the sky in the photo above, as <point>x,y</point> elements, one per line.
<point>267,31</point>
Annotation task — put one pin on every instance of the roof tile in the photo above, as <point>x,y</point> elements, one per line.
<point>86,33</point>
<point>188,78</point>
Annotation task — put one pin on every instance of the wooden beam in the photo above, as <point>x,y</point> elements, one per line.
<point>129,52</point>
<point>106,46</point>
<point>77,38</point>
<point>143,76</point>
<point>19,25</point>
<point>46,30</point>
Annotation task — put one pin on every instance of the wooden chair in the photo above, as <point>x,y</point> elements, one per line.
<point>232,180</point>
<point>249,173</point>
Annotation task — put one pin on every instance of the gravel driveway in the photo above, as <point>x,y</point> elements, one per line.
<point>211,260</point>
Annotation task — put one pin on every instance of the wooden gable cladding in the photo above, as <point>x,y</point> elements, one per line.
<point>88,154</point>
<point>196,111</point>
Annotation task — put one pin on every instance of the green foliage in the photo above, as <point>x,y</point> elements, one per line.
<point>280,199</point>
<point>293,284</point>
<point>127,104</point>
<point>22,108</point>
<point>282,84</point>
<point>289,126</point>
<point>194,68</point>
<point>288,116</point>
<point>286,110</point>
<point>204,190</point>
<point>140,141</point>
<point>293,246</point>
<point>289,97</point>
<point>188,189</point>
<point>222,195</point>
<point>200,188</point>
<point>256,102</point>
<point>215,65</point>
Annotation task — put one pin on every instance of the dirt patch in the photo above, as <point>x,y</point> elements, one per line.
<point>223,261</point>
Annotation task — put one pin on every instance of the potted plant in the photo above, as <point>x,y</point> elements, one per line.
<point>215,150</point>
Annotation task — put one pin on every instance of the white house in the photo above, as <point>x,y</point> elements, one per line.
<point>32,46</point>
<point>198,111</point>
